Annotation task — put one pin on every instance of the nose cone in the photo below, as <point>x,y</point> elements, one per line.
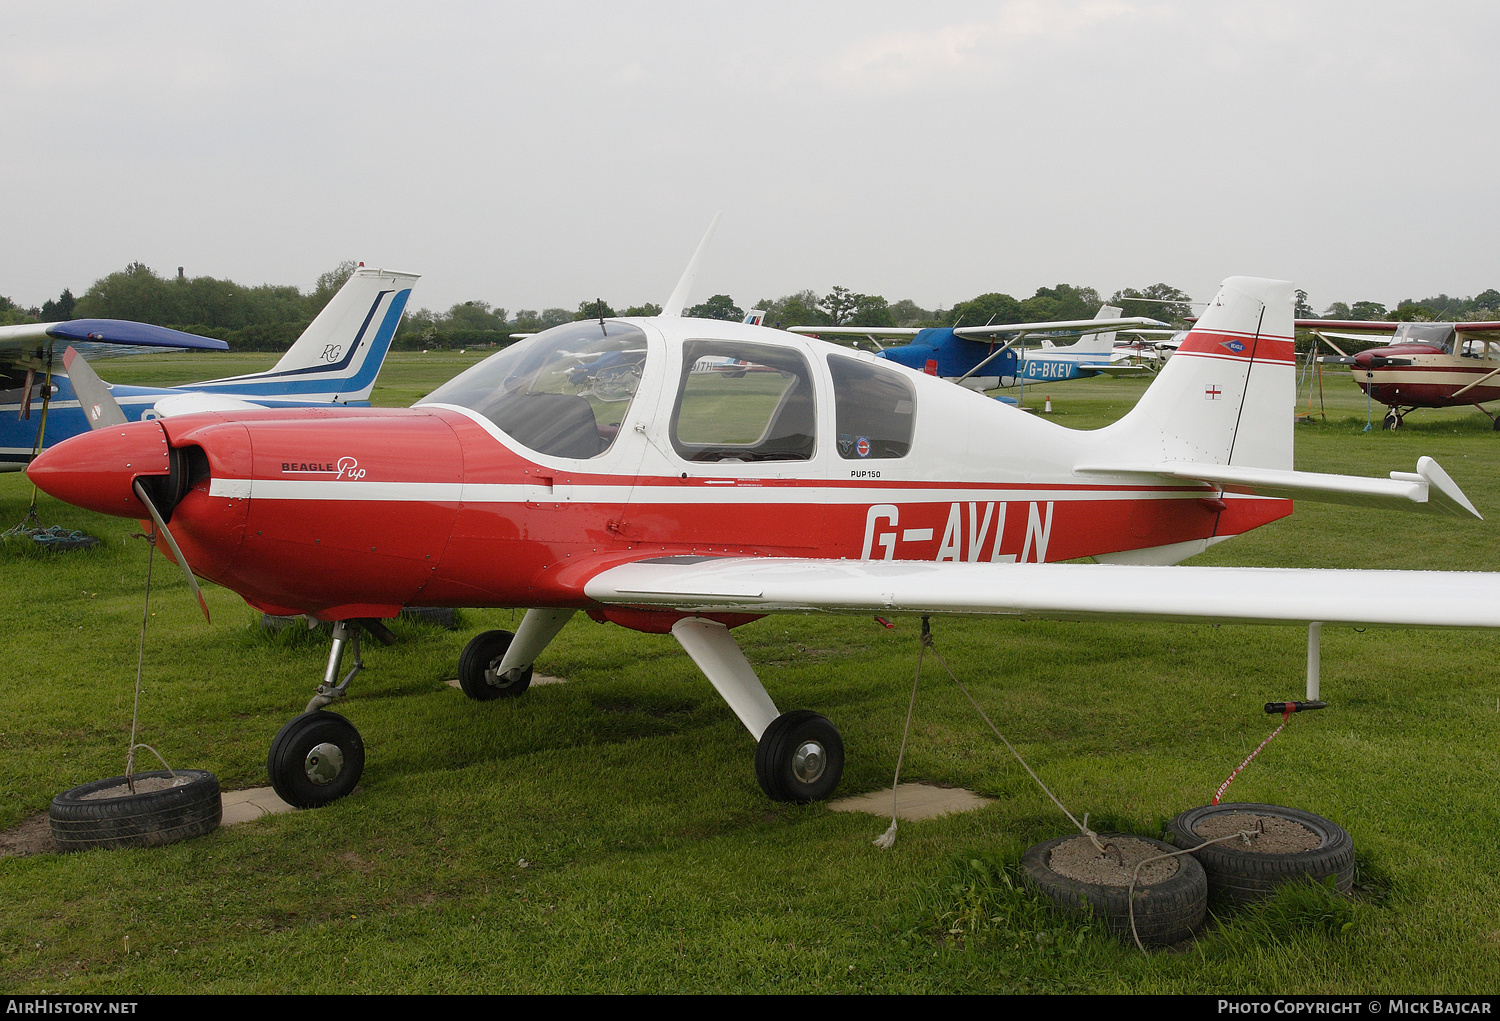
<point>96,470</point>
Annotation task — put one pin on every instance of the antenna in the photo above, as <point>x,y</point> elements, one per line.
<point>674,304</point>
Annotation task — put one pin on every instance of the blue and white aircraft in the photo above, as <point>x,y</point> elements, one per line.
<point>1001,358</point>
<point>335,361</point>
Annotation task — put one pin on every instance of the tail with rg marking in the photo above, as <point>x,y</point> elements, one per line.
<point>340,353</point>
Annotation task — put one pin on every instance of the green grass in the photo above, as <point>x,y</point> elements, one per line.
<point>608,834</point>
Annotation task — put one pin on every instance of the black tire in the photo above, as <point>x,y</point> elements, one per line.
<point>142,819</point>
<point>1165,913</point>
<point>1392,421</point>
<point>483,652</point>
<point>1495,425</point>
<point>799,758</point>
<point>1240,876</point>
<point>316,758</point>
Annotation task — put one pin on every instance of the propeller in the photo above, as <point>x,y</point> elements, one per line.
<point>102,410</point>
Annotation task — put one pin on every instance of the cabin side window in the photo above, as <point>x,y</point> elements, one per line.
<point>875,409</point>
<point>743,402</point>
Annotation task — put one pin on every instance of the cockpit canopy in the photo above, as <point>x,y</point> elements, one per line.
<point>1438,335</point>
<point>563,392</point>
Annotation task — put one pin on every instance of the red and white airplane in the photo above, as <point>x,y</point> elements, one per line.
<point>1426,365</point>
<point>599,466</point>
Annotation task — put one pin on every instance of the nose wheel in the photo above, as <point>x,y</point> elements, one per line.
<point>800,757</point>
<point>316,758</point>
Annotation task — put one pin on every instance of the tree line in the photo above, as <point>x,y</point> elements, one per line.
<point>269,317</point>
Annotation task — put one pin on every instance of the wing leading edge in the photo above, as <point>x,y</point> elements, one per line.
<point>1259,595</point>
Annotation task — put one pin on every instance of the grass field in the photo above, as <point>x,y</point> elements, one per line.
<point>608,835</point>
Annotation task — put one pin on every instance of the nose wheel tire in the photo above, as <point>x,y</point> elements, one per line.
<point>316,758</point>
<point>800,757</point>
<point>476,668</point>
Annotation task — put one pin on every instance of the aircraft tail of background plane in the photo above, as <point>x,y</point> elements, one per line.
<point>1090,343</point>
<point>1226,397</point>
<point>340,353</point>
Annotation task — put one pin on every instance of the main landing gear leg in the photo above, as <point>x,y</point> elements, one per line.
<point>497,664</point>
<point>318,756</point>
<point>799,755</point>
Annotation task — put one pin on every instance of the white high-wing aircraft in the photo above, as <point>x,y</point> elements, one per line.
<point>334,361</point>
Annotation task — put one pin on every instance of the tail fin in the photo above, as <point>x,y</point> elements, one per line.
<point>1226,396</point>
<point>340,353</point>
<point>1090,343</point>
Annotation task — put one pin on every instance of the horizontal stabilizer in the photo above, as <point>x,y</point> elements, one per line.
<point>1429,488</point>
<point>193,402</point>
<point>1256,595</point>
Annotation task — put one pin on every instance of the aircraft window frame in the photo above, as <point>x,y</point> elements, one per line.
<point>782,437</point>
<point>519,392</point>
<point>859,407</point>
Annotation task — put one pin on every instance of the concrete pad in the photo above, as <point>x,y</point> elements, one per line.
<point>535,680</point>
<point>249,805</point>
<point>913,801</point>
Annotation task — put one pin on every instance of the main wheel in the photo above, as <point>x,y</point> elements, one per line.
<point>1392,420</point>
<point>476,668</point>
<point>1240,873</point>
<point>316,758</point>
<point>800,757</point>
<point>166,807</point>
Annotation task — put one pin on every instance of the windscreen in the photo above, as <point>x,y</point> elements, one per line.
<point>563,392</point>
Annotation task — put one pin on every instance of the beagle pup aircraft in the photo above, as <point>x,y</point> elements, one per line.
<point>610,466</point>
<point>973,356</point>
<point>335,361</point>
<point>1425,365</point>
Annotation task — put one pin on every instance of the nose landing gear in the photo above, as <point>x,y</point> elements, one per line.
<point>318,756</point>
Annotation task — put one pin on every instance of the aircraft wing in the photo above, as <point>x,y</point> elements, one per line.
<point>23,347</point>
<point>1054,327</point>
<point>876,332</point>
<point>102,331</point>
<point>1055,591</point>
<point>1359,329</point>
<point>1059,326</point>
<point>1429,488</point>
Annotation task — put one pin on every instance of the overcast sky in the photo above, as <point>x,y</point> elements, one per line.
<point>537,154</point>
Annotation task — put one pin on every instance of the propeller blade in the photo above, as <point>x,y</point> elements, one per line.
<point>98,404</point>
<point>162,530</point>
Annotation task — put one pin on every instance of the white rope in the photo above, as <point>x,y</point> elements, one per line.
<point>1083,827</point>
<point>887,839</point>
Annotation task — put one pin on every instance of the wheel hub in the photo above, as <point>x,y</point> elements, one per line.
<point>324,763</point>
<point>809,761</point>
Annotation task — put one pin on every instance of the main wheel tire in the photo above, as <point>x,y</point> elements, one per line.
<point>316,758</point>
<point>1392,421</point>
<point>143,819</point>
<point>1165,913</point>
<point>475,668</point>
<point>800,757</point>
<point>1240,875</point>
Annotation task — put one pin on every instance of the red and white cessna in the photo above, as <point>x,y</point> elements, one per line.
<point>611,466</point>
<point>1425,365</point>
